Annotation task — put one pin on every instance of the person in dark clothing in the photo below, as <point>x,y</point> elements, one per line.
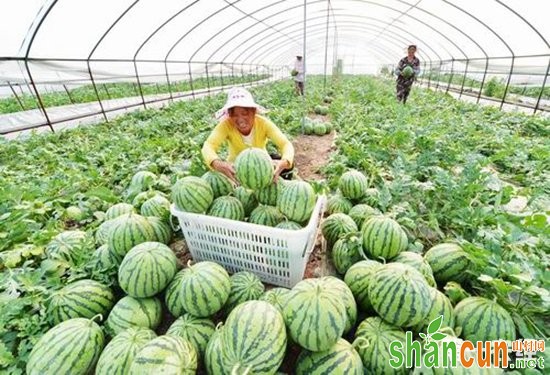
<point>404,84</point>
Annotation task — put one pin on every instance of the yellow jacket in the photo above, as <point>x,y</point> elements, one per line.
<point>262,130</point>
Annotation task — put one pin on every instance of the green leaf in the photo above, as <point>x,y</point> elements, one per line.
<point>435,325</point>
<point>438,336</point>
<point>103,193</point>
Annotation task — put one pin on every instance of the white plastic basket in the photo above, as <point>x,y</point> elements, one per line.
<point>276,256</point>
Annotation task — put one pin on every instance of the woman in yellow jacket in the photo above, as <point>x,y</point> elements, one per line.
<point>241,127</point>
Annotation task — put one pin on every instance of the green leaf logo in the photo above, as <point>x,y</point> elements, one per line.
<point>433,329</point>
<point>435,325</point>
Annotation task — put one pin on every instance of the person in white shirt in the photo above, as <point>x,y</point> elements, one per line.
<point>299,77</point>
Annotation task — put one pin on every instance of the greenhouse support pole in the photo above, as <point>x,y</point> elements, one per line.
<point>207,77</point>
<point>438,75</point>
<point>483,79</point>
<point>40,103</point>
<point>430,76</point>
<point>95,89</point>
<point>451,77</point>
<point>106,90</point>
<point>326,48</point>
<point>16,96</point>
<point>305,62</point>
<point>139,85</point>
<point>543,85</point>
<point>68,94</point>
<point>191,80</point>
<point>508,81</point>
<point>221,75</point>
<point>168,80</point>
<point>464,78</point>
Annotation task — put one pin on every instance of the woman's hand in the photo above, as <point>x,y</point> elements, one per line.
<point>225,168</point>
<point>280,167</point>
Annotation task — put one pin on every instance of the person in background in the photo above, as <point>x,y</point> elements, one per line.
<point>299,77</point>
<point>404,83</point>
<point>241,126</point>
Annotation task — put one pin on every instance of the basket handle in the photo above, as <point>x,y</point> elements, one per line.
<point>313,237</point>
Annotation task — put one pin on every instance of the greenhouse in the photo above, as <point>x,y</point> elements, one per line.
<point>274,187</point>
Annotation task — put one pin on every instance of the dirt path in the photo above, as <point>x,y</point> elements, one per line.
<point>311,153</point>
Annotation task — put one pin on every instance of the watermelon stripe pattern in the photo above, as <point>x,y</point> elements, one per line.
<point>347,298</point>
<point>102,232</point>
<point>220,183</point>
<point>147,269</point>
<point>81,299</point>
<point>134,312</point>
<point>296,201</point>
<point>247,199</point>
<point>346,252</point>
<point>162,230</point>
<point>353,185</point>
<point>337,226</point>
<point>338,204</point>
<point>166,355</point>
<point>67,245</point>
<point>157,206</point>
<point>400,295</point>
<point>172,296</point>
<point>72,348</point>
<point>441,305</point>
<point>448,262</point>
<point>227,207</point>
<point>245,286</point>
<point>268,195</point>
<point>358,278</point>
<point>360,213</point>
<point>383,238</point>
<point>253,168</point>
<point>195,330</point>
<point>340,359</point>
<point>118,355</point>
<point>143,180</point>
<point>128,231</point>
<point>288,225</point>
<point>254,337</point>
<point>266,215</point>
<point>213,361</point>
<point>192,194</point>
<point>119,209</point>
<point>418,263</point>
<point>484,320</point>
<point>277,297</point>
<point>205,287</point>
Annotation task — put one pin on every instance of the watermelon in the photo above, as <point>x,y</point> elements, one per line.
<point>440,306</point>
<point>74,213</point>
<point>205,288</point>
<point>328,126</point>
<point>253,339</point>
<point>400,294</point>
<point>481,319</point>
<point>319,129</point>
<point>266,215</point>
<point>315,314</point>
<point>227,207</point>
<point>81,299</point>
<point>143,197</point>
<point>309,126</point>
<point>254,169</point>
<point>347,298</point>
<point>172,295</point>
<point>277,297</point>
<point>383,238</point>
<point>361,212</point>
<point>195,330</point>
<point>357,278</point>
<point>118,355</point>
<point>407,71</point>
<point>448,262</point>
<point>119,209</point>
<point>69,246</point>
<point>147,269</point>
<point>134,312</point>
<point>353,185</point>
<point>245,286</point>
<point>143,180</point>
<point>220,183</point>
<point>337,226</point>
<point>165,355</point>
<point>268,194</point>
<point>296,201</point>
<point>192,194</point>
<point>321,110</point>
<point>373,337</point>
<point>291,225</point>
<point>213,354</point>
<point>337,203</point>
<point>71,347</point>
<point>417,262</point>
<point>340,359</point>
<point>346,252</point>
<point>128,231</point>
<point>104,260</point>
<point>157,206</point>
<point>161,228</point>
<point>247,198</point>
<point>102,232</point>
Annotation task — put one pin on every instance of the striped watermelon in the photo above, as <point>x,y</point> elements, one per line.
<point>81,299</point>
<point>372,197</point>
<point>254,168</point>
<point>418,263</point>
<point>292,225</point>
<point>161,228</point>
<point>448,262</point>
<point>220,183</point>
<point>383,238</point>
<point>483,320</point>
<point>336,226</point>
<point>315,314</point>
<point>247,198</point>
<point>195,330</point>
<point>441,305</point>
<point>319,129</point>
<point>296,201</point>
<point>400,294</point>
<point>143,197</point>
<point>134,312</point>
<point>165,355</point>
<point>347,298</point>
<point>157,206</point>
<point>69,246</point>
<point>338,204</point>
<point>373,337</point>
<point>71,348</point>
<point>253,339</point>
<point>353,184</point>
<point>205,288</point>
<point>358,278</point>
<point>192,194</point>
<point>104,260</point>
<point>268,194</point>
<point>361,212</point>
<point>227,207</point>
<point>266,215</point>
<point>118,355</point>
<point>119,209</point>
<point>102,232</point>
<point>340,359</point>
<point>172,295</point>
<point>128,231</point>
<point>277,297</point>
<point>213,361</point>
<point>147,269</point>
<point>245,286</point>
<point>346,252</point>
<point>143,180</point>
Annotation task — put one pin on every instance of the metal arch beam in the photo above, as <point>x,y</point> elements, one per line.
<point>525,21</point>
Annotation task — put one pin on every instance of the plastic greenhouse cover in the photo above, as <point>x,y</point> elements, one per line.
<point>65,39</point>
